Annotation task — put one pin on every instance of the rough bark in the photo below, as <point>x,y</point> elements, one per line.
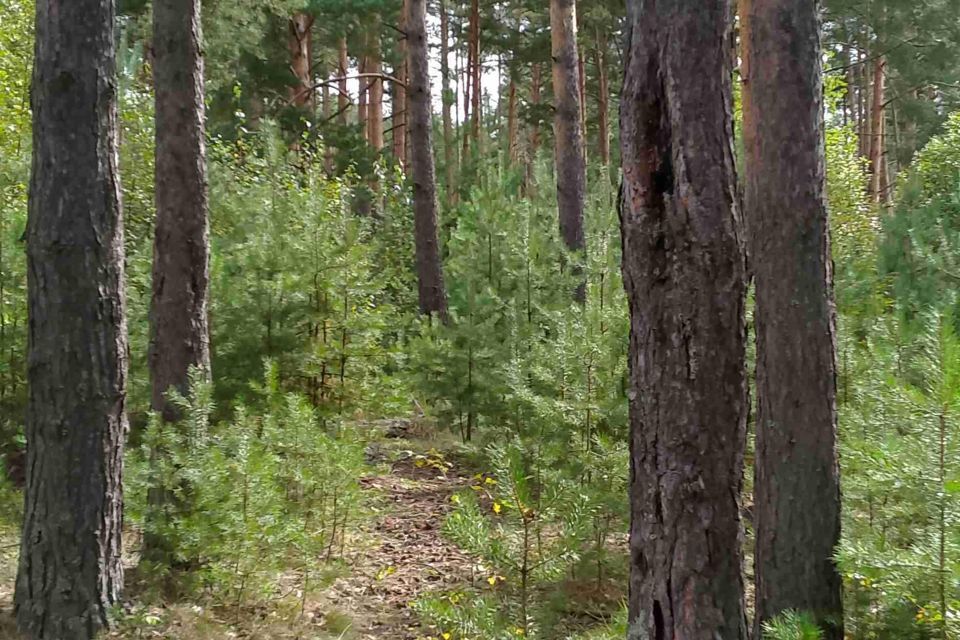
<point>433,295</point>
<point>876,128</point>
<point>603,102</point>
<point>400,97</point>
<point>299,46</point>
<point>70,573</point>
<point>683,269</point>
<point>449,104</point>
<point>568,133</point>
<point>180,332</point>
<point>797,493</point>
<point>343,64</point>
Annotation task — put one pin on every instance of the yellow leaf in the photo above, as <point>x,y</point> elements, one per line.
<point>476,487</point>
<point>446,635</point>
<point>496,507</point>
<point>492,580</point>
<point>455,499</point>
<point>490,481</point>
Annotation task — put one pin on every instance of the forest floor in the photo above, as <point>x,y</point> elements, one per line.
<point>396,555</point>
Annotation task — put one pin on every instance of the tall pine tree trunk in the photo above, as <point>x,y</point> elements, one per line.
<point>433,295</point>
<point>476,69</point>
<point>299,46</point>
<point>70,574</point>
<point>180,335</point>
<point>179,327</point>
<point>603,102</point>
<point>683,268</point>
<point>449,104</point>
<point>513,123</point>
<point>343,64</point>
<point>568,134</point>
<point>400,97</point>
<point>375,96</point>
<point>797,491</point>
<point>876,141</point>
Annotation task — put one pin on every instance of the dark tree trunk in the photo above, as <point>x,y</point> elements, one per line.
<point>179,325</point>
<point>70,573</point>
<point>180,335</point>
<point>433,295</point>
<point>797,490</point>
<point>683,269</point>
<point>568,134</point>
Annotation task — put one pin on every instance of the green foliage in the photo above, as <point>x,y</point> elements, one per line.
<point>792,626</point>
<point>266,490</point>
<point>901,550</point>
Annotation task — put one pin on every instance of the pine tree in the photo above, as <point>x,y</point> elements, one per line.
<point>797,490</point>
<point>683,268</point>
<point>70,573</point>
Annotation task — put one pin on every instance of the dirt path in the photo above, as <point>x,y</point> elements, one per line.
<point>407,556</point>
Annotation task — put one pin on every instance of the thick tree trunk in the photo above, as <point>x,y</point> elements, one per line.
<point>343,64</point>
<point>568,134</point>
<point>299,46</point>
<point>876,128</point>
<point>70,574</point>
<point>400,97</point>
<point>433,295</point>
<point>603,102</point>
<point>683,268</point>
<point>449,104</point>
<point>797,491</point>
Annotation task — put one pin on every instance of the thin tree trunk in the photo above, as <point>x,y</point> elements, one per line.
<point>375,97</point>
<point>797,490</point>
<point>433,296</point>
<point>876,128</point>
<point>536,84</point>
<point>362,97</point>
<point>400,97</point>
<point>70,574</point>
<point>568,134</point>
<point>343,64</point>
<point>299,46</point>
<point>582,86</point>
<point>467,85</point>
<point>513,125</point>
<point>603,103</point>
<point>476,69</point>
<point>683,268</point>
<point>449,104</point>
